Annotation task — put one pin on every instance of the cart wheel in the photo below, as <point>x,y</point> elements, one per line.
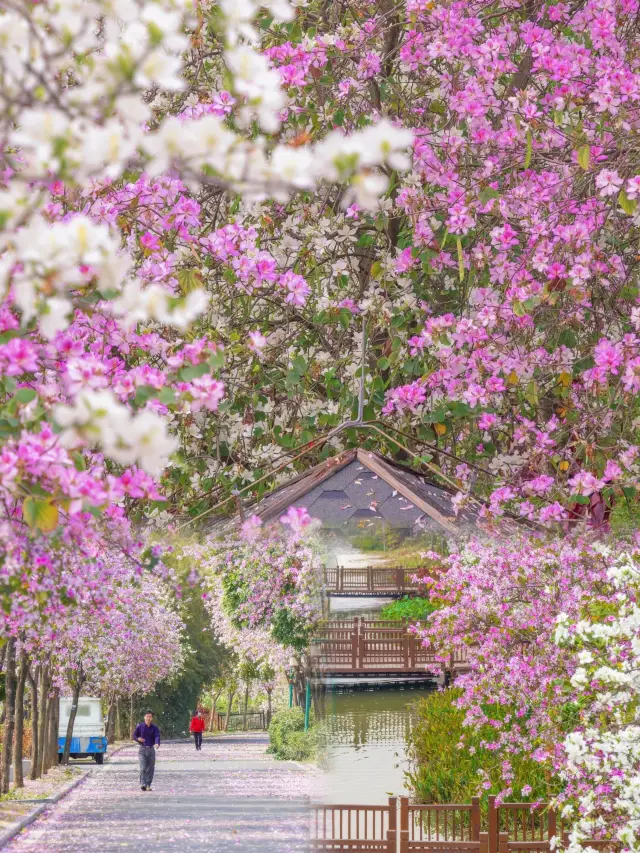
<point>99,757</point>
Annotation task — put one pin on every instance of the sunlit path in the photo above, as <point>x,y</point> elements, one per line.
<point>229,797</point>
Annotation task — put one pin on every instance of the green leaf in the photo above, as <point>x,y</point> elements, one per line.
<point>568,339</point>
<point>584,156</point>
<point>580,499</point>
<point>25,395</point>
<point>299,365</point>
<point>344,315</point>
<point>193,372</point>
<point>144,393</point>
<point>40,514</point>
<point>527,159</point>
<point>167,396</point>
<point>627,204</point>
<point>485,195</point>
<point>216,359</point>
<point>518,308</point>
<point>189,279</point>
<point>460,259</point>
<point>78,461</point>
<point>531,393</point>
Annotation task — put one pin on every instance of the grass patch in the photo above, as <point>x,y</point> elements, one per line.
<point>413,609</point>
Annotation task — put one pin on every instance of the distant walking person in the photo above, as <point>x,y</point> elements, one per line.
<point>197,727</point>
<point>147,734</point>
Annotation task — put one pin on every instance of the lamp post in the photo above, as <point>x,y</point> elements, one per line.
<point>291,675</point>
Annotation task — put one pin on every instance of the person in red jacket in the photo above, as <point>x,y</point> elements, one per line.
<point>197,727</point>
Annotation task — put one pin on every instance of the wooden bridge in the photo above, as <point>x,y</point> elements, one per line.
<point>370,580</point>
<point>404,827</point>
<point>359,647</point>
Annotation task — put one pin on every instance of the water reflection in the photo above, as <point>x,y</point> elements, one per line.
<point>366,741</point>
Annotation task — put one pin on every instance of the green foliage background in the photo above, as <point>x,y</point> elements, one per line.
<point>444,773</point>
<point>288,740</point>
<point>173,702</point>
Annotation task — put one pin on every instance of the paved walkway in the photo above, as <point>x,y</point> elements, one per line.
<point>231,796</point>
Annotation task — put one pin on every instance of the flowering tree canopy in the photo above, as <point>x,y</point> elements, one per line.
<point>551,636</point>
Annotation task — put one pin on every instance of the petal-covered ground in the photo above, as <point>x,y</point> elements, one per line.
<point>228,797</point>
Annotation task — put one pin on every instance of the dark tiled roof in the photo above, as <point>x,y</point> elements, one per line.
<point>360,484</point>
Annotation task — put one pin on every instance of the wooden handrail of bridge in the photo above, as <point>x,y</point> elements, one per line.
<point>371,580</point>
<point>404,827</point>
<point>361,646</point>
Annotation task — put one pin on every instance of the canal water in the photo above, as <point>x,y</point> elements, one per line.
<point>367,727</point>
<point>366,741</point>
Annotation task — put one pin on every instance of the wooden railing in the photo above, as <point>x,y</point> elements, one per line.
<point>370,581</point>
<point>403,827</point>
<point>350,828</point>
<point>256,721</point>
<point>359,646</point>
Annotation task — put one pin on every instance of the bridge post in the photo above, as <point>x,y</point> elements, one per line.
<point>369,571</point>
<point>412,651</point>
<point>475,818</point>
<point>400,580</point>
<point>361,647</point>
<point>354,644</point>
<point>492,817</point>
<point>339,579</point>
<point>404,825</point>
<point>392,832</point>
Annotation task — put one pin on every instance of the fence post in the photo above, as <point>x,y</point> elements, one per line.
<point>404,825</point>
<point>551,824</point>
<point>354,645</point>
<point>484,842</point>
<point>503,842</point>
<point>400,580</point>
<point>369,571</point>
<point>492,823</point>
<point>361,648</point>
<point>475,818</point>
<point>307,705</point>
<point>392,833</point>
<point>340,578</point>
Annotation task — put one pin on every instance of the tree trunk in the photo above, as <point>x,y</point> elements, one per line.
<point>33,687</point>
<point>18,779</point>
<point>10,715</point>
<point>53,730</point>
<point>119,732</point>
<point>132,725</point>
<point>44,747</point>
<point>230,696</point>
<point>214,702</point>
<point>268,708</point>
<point>77,687</point>
<point>111,722</point>
<point>246,708</point>
<point>44,710</point>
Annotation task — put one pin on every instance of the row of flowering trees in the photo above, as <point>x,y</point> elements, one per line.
<point>116,643</point>
<point>551,633</point>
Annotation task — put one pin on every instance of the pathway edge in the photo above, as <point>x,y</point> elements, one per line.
<point>11,833</point>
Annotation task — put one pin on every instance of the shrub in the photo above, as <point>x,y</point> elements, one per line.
<point>444,772</point>
<point>413,609</point>
<point>288,739</point>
